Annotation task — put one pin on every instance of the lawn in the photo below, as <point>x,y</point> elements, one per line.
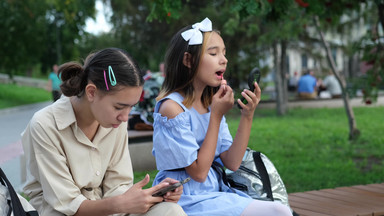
<point>14,95</point>
<point>309,147</point>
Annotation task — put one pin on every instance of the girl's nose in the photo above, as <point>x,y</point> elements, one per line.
<point>224,60</point>
<point>124,115</point>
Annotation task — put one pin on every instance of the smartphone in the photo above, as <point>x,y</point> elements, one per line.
<point>254,76</point>
<point>163,191</point>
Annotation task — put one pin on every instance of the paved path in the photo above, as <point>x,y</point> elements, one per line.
<point>12,123</point>
<point>329,103</point>
<point>14,120</point>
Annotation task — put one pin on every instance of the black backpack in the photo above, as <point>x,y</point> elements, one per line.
<point>14,205</point>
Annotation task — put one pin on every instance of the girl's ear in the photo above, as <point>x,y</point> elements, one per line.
<point>187,59</point>
<point>90,91</point>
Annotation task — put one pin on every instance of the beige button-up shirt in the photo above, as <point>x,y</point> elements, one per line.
<point>64,167</point>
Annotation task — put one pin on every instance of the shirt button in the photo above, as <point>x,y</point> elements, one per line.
<point>97,173</point>
<point>93,148</point>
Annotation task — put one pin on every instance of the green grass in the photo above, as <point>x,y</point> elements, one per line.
<point>310,147</point>
<point>13,95</point>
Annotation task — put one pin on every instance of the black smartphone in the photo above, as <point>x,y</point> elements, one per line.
<point>254,76</point>
<point>163,191</point>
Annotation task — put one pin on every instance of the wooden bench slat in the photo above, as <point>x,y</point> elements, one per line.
<point>380,186</point>
<point>327,206</point>
<point>358,200</point>
<point>356,207</point>
<point>360,196</point>
<point>378,213</point>
<point>369,193</point>
<point>372,189</point>
<point>305,212</point>
<point>339,197</point>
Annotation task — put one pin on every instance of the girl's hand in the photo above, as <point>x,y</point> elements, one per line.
<point>253,99</point>
<point>223,100</point>
<point>139,200</point>
<point>173,196</point>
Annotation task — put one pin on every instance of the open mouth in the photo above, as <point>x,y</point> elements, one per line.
<point>220,74</point>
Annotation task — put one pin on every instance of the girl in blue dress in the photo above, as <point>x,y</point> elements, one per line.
<point>190,129</point>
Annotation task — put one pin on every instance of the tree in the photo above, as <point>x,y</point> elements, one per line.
<point>40,32</point>
<point>371,46</point>
<point>65,23</point>
<point>22,31</point>
<point>252,28</point>
<point>287,17</point>
<point>146,41</point>
<point>353,131</point>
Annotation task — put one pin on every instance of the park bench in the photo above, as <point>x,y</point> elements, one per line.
<point>140,148</point>
<point>359,200</point>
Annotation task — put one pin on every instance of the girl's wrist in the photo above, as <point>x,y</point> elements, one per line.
<point>116,203</point>
<point>216,115</point>
<point>248,117</point>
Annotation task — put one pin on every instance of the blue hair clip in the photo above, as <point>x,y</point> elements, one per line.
<point>112,78</point>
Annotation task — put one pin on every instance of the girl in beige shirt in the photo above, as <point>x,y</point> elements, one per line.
<point>78,161</point>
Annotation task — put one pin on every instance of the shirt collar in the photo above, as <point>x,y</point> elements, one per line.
<point>63,113</point>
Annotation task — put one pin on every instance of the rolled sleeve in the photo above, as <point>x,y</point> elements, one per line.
<point>174,144</point>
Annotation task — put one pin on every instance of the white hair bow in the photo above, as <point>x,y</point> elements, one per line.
<point>194,35</point>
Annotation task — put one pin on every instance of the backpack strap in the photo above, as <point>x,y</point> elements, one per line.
<point>222,175</point>
<point>263,174</point>
<point>16,204</point>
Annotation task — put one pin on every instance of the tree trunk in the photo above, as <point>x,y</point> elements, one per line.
<point>353,131</point>
<point>280,88</point>
<point>380,6</point>
<point>284,77</point>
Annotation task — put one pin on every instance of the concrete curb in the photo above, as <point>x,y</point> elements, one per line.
<point>23,107</point>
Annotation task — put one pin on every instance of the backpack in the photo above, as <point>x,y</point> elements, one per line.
<point>12,203</point>
<point>258,177</point>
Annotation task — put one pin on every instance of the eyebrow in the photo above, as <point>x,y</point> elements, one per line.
<point>126,105</point>
<point>214,47</point>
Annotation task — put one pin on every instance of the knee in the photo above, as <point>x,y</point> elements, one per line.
<point>174,209</point>
<point>280,209</point>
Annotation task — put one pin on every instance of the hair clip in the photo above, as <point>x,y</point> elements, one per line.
<point>194,35</point>
<point>105,79</point>
<point>111,75</point>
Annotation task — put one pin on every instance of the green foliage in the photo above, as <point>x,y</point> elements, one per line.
<point>165,9</point>
<point>40,32</point>
<point>372,80</point>
<point>21,29</point>
<point>247,8</point>
<point>13,95</point>
<point>310,149</point>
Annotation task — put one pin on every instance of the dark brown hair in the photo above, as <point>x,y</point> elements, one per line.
<point>178,77</point>
<point>75,76</point>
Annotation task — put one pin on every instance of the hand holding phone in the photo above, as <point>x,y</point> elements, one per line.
<point>163,191</point>
<point>254,76</point>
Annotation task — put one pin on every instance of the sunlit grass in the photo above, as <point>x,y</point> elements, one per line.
<point>13,95</point>
<point>310,147</point>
